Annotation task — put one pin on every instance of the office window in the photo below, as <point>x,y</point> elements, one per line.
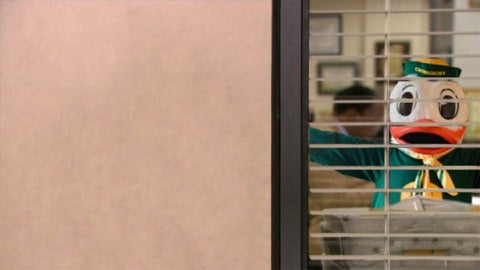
<point>366,217</point>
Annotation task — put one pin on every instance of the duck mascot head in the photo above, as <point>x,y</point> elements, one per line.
<point>431,105</point>
<point>428,109</point>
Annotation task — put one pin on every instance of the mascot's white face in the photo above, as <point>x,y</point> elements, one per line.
<point>426,102</point>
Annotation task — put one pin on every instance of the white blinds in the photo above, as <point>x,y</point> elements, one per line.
<point>364,43</point>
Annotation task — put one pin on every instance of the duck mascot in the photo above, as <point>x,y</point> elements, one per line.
<point>428,118</point>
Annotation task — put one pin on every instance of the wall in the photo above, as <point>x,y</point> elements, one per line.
<point>357,45</point>
<point>397,23</point>
<point>351,23</point>
<point>467,45</point>
<point>135,134</point>
<point>355,23</point>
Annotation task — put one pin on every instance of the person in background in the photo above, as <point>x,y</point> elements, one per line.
<point>345,112</point>
<point>351,112</point>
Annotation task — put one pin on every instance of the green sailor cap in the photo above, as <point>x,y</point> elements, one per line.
<point>430,67</point>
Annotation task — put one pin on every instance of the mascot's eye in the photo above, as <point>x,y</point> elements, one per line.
<point>448,109</point>
<point>405,108</point>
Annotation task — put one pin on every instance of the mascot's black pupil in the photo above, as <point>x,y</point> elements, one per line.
<point>405,108</point>
<point>448,110</point>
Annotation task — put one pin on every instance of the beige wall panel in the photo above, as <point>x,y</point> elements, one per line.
<point>135,134</point>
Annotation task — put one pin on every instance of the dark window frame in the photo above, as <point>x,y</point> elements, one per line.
<point>289,134</point>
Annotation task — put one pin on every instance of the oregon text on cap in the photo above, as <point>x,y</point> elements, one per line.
<point>430,70</point>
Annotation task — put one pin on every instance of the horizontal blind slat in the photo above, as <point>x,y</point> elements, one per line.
<point>396,235</point>
<point>395,11</point>
<point>376,56</point>
<point>395,258</point>
<point>393,168</point>
<point>380,145</point>
<point>384,190</point>
<point>372,34</point>
<point>354,211</point>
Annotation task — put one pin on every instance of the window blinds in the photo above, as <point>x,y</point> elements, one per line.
<point>364,43</point>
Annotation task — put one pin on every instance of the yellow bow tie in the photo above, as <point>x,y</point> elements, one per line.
<point>422,180</point>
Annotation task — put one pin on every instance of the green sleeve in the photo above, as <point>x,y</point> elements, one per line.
<point>338,156</point>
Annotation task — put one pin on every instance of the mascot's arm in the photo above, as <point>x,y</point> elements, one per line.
<point>356,156</point>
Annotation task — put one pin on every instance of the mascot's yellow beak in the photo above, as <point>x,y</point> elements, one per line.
<point>427,135</point>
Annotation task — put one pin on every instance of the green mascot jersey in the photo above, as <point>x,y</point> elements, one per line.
<point>363,157</point>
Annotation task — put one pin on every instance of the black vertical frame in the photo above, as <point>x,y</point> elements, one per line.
<point>289,134</point>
